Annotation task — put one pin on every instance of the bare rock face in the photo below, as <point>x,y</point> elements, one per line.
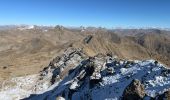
<point>164,96</point>
<point>135,91</point>
<point>60,98</point>
<point>167,95</point>
<point>88,39</point>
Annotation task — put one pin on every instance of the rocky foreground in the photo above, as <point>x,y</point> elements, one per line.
<point>76,76</point>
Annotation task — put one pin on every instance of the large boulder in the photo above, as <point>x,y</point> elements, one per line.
<point>110,71</point>
<point>87,39</point>
<point>60,98</point>
<point>164,96</point>
<point>135,91</point>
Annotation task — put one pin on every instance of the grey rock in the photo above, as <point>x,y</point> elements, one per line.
<point>135,91</point>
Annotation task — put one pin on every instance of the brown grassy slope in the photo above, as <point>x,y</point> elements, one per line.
<point>158,46</point>
<point>28,51</point>
<point>141,46</point>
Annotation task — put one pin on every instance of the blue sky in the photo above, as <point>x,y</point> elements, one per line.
<point>105,13</point>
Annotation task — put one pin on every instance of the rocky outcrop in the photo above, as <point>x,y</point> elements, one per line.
<point>60,98</point>
<point>164,96</point>
<point>87,39</point>
<point>135,91</point>
<point>59,67</point>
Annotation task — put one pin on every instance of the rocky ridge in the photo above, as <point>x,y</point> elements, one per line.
<point>76,76</point>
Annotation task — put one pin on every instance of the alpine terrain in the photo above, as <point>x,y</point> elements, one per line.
<point>76,76</point>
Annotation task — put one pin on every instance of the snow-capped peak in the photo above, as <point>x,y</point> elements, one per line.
<point>25,27</point>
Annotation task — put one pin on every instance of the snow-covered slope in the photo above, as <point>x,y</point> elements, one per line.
<point>25,27</point>
<point>79,77</point>
<point>18,87</point>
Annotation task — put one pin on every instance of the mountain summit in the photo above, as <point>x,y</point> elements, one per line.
<point>76,76</point>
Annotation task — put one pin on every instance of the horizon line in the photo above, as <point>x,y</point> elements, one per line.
<point>86,26</point>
